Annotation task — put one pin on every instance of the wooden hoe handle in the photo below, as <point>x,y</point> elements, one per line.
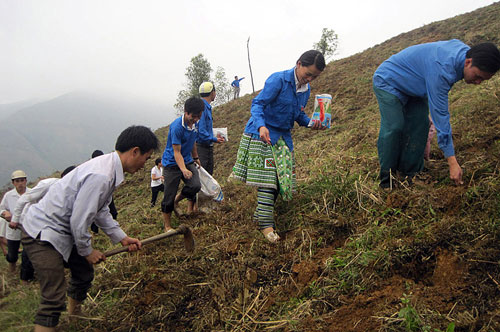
<point>182,229</point>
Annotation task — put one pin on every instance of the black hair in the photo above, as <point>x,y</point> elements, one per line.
<point>485,56</point>
<point>97,153</point>
<point>194,105</point>
<point>69,169</point>
<point>137,136</point>
<point>157,161</point>
<point>313,57</point>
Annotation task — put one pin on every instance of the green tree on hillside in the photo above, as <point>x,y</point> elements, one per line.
<point>222,86</point>
<point>328,43</point>
<point>198,72</point>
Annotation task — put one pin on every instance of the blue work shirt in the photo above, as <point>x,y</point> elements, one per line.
<point>205,126</point>
<point>426,71</point>
<point>236,83</point>
<point>179,134</point>
<point>278,106</point>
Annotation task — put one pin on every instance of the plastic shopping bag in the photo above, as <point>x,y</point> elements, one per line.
<point>220,132</point>
<point>322,110</point>
<point>209,186</point>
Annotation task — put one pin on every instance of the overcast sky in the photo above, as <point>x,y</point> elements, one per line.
<point>51,47</point>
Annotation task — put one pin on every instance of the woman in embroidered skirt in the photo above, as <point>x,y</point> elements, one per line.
<point>265,155</point>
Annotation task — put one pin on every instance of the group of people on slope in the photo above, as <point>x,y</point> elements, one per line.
<point>408,85</point>
<point>190,144</point>
<point>54,220</point>
<point>13,208</point>
<point>10,234</point>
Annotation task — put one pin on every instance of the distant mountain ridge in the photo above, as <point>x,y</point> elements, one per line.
<point>63,131</point>
<point>8,109</point>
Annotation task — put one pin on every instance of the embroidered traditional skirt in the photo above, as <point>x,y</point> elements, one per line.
<point>255,164</point>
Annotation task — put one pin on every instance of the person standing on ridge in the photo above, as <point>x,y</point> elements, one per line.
<point>236,86</point>
<point>273,114</point>
<point>414,82</point>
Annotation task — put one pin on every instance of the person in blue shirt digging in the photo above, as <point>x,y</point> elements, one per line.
<point>414,82</point>
<point>265,155</point>
<point>179,160</point>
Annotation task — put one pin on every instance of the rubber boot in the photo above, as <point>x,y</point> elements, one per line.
<point>40,328</point>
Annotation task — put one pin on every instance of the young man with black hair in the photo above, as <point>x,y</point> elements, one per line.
<point>414,82</point>
<point>56,228</point>
<point>179,160</point>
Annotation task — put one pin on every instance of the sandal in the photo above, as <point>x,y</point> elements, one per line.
<point>272,237</point>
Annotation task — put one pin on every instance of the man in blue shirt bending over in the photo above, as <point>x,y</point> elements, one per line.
<point>414,82</point>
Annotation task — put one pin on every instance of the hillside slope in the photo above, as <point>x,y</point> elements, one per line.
<point>421,258</point>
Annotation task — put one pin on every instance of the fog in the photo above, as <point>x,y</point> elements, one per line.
<point>142,48</point>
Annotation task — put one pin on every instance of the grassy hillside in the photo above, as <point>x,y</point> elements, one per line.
<point>353,258</point>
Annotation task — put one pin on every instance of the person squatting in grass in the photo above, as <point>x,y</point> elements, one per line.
<point>414,82</point>
<point>179,160</point>
<point>273,114</point>
<point>12,234</point>
<point>56,229</point>
<point>30,197</point>
<point>156,181</point>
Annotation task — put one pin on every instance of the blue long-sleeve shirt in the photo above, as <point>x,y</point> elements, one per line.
<point>278,106</point>
<point>236,83</point>
<point>205,126</point>
<point>426,71</point>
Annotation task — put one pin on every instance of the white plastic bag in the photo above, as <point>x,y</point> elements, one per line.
<point>209,186</point>
<point>221,132</point>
